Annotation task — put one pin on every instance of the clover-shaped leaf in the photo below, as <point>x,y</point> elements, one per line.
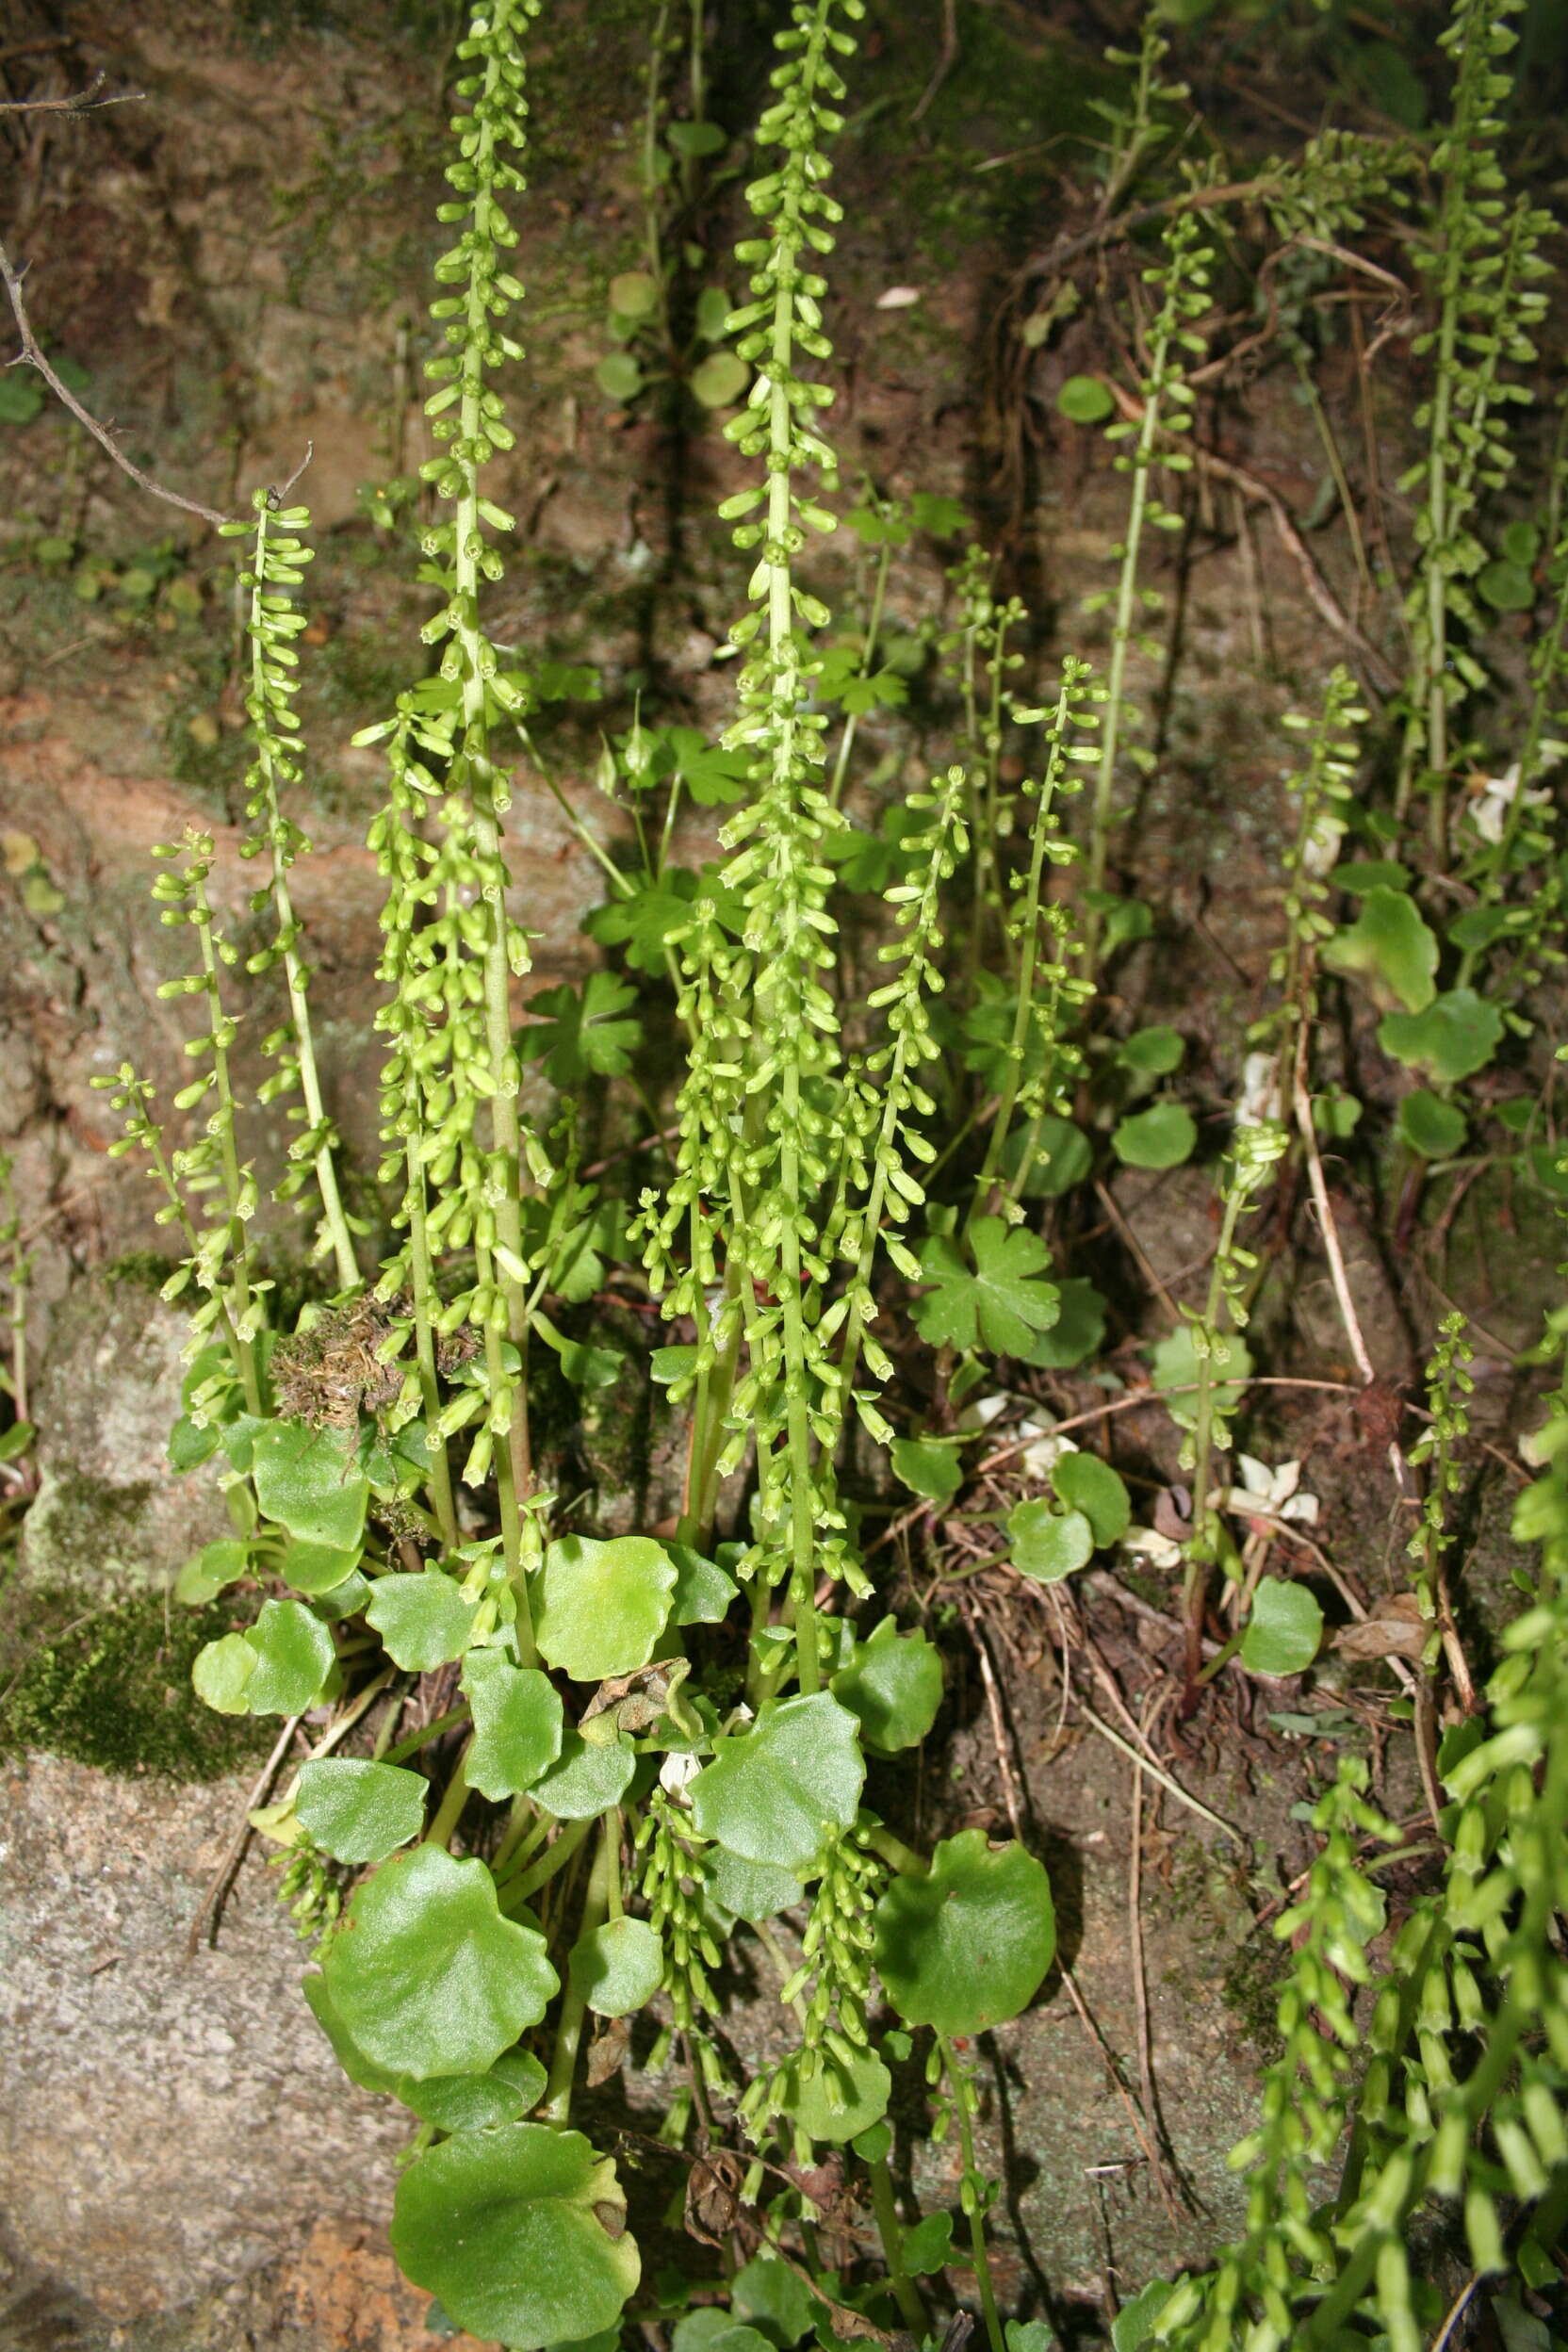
<point>1000,1303</point>
<point>966,1946</point>
<point>360,1812</point>
<point>580,1034</point>
<point>776,1793</point>
<point>517,1723</point>
<point>521,2233</point>
<point>893,1685</point>
<point>599,1607</point>
<point>426,1976</point>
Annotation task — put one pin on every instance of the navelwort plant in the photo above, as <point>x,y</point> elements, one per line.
<point>670,1730</point>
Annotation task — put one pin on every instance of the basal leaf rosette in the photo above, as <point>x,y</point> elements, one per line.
<point>967,1945</point>
<point>521,2233</point>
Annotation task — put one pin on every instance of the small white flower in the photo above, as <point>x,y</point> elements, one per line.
<point>1320,851</point>
<point>1259,1100</point>
<point>898,298</point>
<point>1489,814</point>
<point>677,1769</point>
<point>1160,1551</point>
<point>1043,1450</point>
<point>1265,1493</point>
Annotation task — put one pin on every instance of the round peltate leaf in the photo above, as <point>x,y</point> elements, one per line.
<point>618,376</point>
<point>1062,1158</point>
<point>839,2102</point>
<point>517,1723</point>
<point>599,1607</point>
<point>720,380</point>
<point>634,294</point>
<point>220,1674</point>
<point>618,1967</point>
<point>893,1685</point>
<point>521,2232</point>
<point>1506,587</point>
<point>1284,1632</point>
<point>967,1946</point>
<point>1164,1135</point>
<point>294,1657</point>
<point>307,1481</point>
<point>925,1468</point>
<point>360,2069</point>
<point>317,1567</point>
<point>203,1576</point>
<point>360,1812</point>
<point>777,2298</point>
<point>1049,1544</point>
<point>1085,401</point>
<point>775,1792</point>
<point>423,1619</point>
<point>586,1778</point>
<point>748,1890</point>
<point>1391,947</point>
<point>425,1974</point>
<point>694,140</point>
<point>1430,1126</point>
<point>1455,1036</point>
<point>1085,1483</point>
<point>1078,1331</point>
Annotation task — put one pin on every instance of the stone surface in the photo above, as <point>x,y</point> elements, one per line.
<point>110,1513</point>
<point>183,2167</point>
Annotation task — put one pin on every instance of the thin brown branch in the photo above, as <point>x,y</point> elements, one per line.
<point>89,101</point>
<point>30,356</point>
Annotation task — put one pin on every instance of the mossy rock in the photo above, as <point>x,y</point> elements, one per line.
<point>111,1687</point>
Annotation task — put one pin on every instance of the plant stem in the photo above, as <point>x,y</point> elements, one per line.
<point>890,2231</point>
<point>449,1811</point>
<point>958,2084</point>
<point>557,2104</point>
<point>874,625</point>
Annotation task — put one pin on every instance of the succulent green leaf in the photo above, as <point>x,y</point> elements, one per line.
<point>1134,2325</point>
<point>423,1621</point>
<point>220,1674</point>
<point>477,2102</point>
<point>930,1469</point>
<point>749,1891</point>
<point>618,376</point>
<point>776,2298</point>
<point>294,1657</point>
<point>308,1481</point>
<point>1085,401</point>
<point>1506,587</point>
<point>426,1976</point>
<point>1165,1135</point>
<point>315,1568</point>
<point>205,1575</point>
<point>1049,1544</point>
<point>1285,1630</point>
<point>634,294</point>
<point>618,1967</point>
<point>586,1778</point>
<point>600,1608</point>
<point>892,1686</point>
<point>843,2099</point>
<point>775,1792</point>
<point>1454,1037</point>
<point>1153,1053</point>
<point>696,139</point>
<point>1429,1125</point>
<point>1001,1303</point>
<point>360,1812</point>
<point>928,2247</point>
<point>1062,1158</point>
<point>1078,1332</point>
<point>720,379</point>
<point>1390,947</point>
<point>518,1723</point>
<point>521,2233</point>
<point>967,1946</point>
<point>703,1591</point>
<point>1085,1483</point>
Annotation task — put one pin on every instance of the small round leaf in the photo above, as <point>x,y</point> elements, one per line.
<point>1049,1544</point>
<point>586,1778</point>
<point>966,1946</point>
<point>1085,401</point>
<point>306,1480</point>
<point>634,294</point>
<point>618,376</point>
<point>618,1967</point>
<point>893,1685</point>
<point>1429,1125</point>
<point>1284,1631</point>
<point>517,1723</point>
<point>841,2101</point>
<point>220,1674</point>
<point>294,1657</point>
<point>1164,1135</point>
<point>600,1608</point>
<point>1085,1483</point>
<point>203,1576</point>
<point>720,380</point>
<point>423,1621</point>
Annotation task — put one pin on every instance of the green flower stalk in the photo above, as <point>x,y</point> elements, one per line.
<point>277,560</point>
